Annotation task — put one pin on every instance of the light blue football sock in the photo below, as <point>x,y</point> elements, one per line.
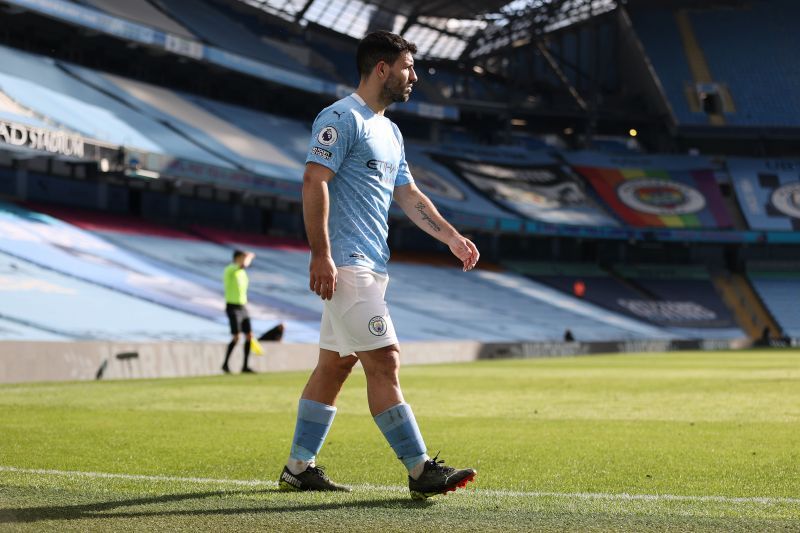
<point>314,419</point>
<point>400,428</point>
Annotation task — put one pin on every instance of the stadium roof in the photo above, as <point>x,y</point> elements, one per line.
<point>441,29</point>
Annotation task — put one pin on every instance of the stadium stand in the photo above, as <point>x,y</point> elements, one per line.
<point>39,85</point>
<point>658,31</point>
<point>216,27</point>
<point>685,296</point>
<point>657,191</point>
<point>50,304</point>
<point>451,309</point>
<point>222,137</point>
<point>337,53</point>
<point>162,266</point>
<point>522,197</point>
<point>288,136</point>
<point>444,186</point>
<point>679,299</point>
<point>143,12</point>
<point>763,82</point>
<point>76,248</point>
<point>779,288</point>
<point>747,82</point>
<point>532,185</point>
<point>768,191</point>
<point>744,302</point>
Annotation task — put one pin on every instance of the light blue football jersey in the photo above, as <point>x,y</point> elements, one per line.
<point>366,153</point>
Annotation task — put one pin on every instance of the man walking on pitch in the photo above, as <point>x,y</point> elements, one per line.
<point>355,164</point>
<point>235,281</point>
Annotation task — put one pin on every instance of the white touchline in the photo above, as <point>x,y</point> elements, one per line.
<point>767,500</point>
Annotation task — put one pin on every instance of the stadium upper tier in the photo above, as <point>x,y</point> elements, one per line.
<point>216,26</point>
<point>82,275</point>
<point>511,188</point>
<point>55,96</point>
<point>763,79</point>
<point>143,12</point>
<point>701,53</point>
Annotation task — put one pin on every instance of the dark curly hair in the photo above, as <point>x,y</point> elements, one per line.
<point>380,46</point>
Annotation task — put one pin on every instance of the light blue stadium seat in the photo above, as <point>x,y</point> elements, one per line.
<point>143,12</point>
<point>52,304</point>
<point>216,28</point>
<point>220,133</point>
<point>760,70</point>
<point>37,83</point>
<point>658,32</point>
<point>781,296</point>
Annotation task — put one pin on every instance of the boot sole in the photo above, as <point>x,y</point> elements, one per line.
<point>416,495</point>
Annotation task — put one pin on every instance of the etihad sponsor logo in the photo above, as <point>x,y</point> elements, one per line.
<point>660,197</point>
<point>786,199</point>
<point>387,167</point>
<point>321,152</point>
<point>55,142</point>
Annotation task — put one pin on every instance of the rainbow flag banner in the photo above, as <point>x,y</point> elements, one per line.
<point>657,191</point>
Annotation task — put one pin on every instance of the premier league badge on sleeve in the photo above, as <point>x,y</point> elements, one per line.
<point>328,136</point>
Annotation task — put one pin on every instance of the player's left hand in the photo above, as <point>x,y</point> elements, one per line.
<point>465,250</point>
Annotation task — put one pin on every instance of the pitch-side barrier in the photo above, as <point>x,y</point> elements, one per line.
<point>22,361</point>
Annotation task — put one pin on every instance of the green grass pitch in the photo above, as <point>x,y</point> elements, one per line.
<point>666,442</point>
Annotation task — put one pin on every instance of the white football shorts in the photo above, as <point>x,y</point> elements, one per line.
<point>357,318</point>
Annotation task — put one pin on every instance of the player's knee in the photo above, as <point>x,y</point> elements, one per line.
<point>345,366</point>
<point>383,363</point>
<point>340,368</point>
<point>235,337</point>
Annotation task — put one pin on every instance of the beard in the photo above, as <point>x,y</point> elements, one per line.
<point>395,91</point>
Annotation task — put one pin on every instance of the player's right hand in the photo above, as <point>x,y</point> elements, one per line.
<point>322,276</point>
<point>465,250</point>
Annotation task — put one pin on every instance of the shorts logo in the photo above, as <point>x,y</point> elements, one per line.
<point>656,196</point>
<point>320,152</point>
<point>328,136</point>
<point>377,326</point>
<point>786,199</point>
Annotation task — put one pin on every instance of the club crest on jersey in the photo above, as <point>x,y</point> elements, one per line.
<point>377,326</point>
<point>328,136</point>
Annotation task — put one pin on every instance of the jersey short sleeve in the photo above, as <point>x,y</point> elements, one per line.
<point>403,172</point>
<point>332,136</point>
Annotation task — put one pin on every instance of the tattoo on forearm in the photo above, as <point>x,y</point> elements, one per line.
<point>421,208</point>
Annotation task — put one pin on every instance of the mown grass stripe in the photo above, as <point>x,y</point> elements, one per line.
<point>765,500</point>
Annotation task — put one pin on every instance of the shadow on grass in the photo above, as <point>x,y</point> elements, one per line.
<point>99,509</point>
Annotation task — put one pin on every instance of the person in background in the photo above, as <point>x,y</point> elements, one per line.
<point>235,281</point>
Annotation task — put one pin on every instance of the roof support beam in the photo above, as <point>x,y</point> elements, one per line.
<point>300,14</point>
<point>561,76</point>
